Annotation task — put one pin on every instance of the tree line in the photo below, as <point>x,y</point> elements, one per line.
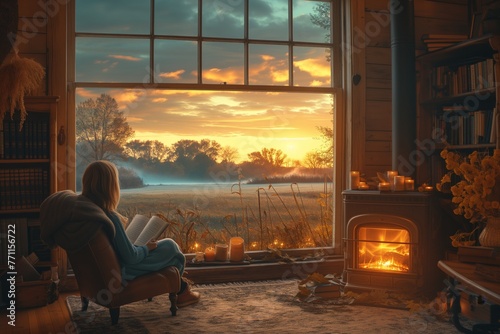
<point>103,133</point>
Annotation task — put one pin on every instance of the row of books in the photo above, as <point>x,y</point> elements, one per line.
<point>26,233</point>
<point>479,254</point>
<point>458,127</point>
<point>23,188</point>
<point>439,41</point>
<point>448,81</point>
<point>30,142</point>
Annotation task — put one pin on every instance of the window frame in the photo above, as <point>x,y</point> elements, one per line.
<point>336,89</point>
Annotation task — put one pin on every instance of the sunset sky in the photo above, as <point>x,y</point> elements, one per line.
<point>247,121</point>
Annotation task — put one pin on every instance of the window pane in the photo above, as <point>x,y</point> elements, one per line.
<point>164,150</point>
<point>223,63</point>
<point>268,65</point>
<point>112,16</point>
<point>311,21</point>
<point>176,17</point>
<point>223,18</point>
<point>112,60</point>
<point>311,67</point>
<point>176,61</point>
<point>268,20</point>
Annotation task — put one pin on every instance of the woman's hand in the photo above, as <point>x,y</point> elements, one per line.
<point>152,245</point>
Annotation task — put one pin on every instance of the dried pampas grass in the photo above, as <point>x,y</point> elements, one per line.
<point>18,77</point>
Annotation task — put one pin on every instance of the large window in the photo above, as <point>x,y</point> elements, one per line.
<point>213,96</point>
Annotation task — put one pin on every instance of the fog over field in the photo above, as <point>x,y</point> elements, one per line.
<point>219,188</point>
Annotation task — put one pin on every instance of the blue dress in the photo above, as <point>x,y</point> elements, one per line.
<point>138,260</point>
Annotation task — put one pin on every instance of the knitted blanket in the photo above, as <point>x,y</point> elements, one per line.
<point>70,220</point>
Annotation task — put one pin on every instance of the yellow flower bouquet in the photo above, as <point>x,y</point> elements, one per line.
<point>476,194</point>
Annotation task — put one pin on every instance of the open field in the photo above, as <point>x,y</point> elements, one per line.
<point>214,212</point>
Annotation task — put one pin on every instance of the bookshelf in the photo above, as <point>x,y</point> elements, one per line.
<point>27,177</point>
<point>458,99</point>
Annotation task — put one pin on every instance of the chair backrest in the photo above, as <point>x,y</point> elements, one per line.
<point>97,269</point>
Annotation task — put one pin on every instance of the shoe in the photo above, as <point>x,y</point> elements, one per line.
<point>187,297</point>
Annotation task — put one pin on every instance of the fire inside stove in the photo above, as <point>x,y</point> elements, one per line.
<point>385,249</point>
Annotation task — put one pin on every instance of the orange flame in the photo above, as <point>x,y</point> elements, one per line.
<point>386,249</point>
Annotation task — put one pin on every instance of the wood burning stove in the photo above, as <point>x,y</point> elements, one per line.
<point>392,240</point>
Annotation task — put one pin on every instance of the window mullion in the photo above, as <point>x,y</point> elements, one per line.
<point>200,45</point>
<point>152,42</point>
<point>290,43</point>
<point>246,46</point>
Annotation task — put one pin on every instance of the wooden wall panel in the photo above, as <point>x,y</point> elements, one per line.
<point>32,35</point>
<point>377,121</point>
<point>379,135</point>
<point>378,76</point>
<point>380,56</point>
<point>377,160</point>
<point>438,17</point>
<point>35,43</point>
<point>377,32</point>
<point>376,94</point>
<point>378,146</point>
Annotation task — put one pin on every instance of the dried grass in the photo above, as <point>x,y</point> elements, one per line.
<point>18,77</point>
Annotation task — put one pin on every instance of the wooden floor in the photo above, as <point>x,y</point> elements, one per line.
<point>53,318</point>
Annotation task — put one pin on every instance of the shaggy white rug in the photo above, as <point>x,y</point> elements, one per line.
<point>260,307</point>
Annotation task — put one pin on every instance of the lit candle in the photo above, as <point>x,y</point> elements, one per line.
<point>236,249</point>
<point>384,186</point>
<point>428,188</point>
<point>199,257</point>
<point>354,179</point>
<point>409,184</point>
<point>221,252</point>
<point>399,183</point>
<point>209,254</point>
<point>390,177</point>
<point>363,186</point>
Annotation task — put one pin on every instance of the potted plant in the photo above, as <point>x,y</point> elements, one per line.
<point>475,190</point>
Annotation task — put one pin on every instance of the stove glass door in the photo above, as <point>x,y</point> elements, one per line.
<point>383,248</point>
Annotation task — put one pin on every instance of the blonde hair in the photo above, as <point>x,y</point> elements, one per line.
<point>101,185</point>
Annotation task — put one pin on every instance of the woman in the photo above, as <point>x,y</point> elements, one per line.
<point>100,184</point>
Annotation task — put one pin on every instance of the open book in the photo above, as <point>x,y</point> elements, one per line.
<point>142,229</point>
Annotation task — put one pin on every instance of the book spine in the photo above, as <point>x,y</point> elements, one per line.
<point>464,128</point>
<point>2,140</point>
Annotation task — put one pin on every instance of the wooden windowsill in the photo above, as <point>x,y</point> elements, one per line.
<point>248,272</point>
<point>264,271</point>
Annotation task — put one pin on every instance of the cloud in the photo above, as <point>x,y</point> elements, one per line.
<point>227,75</point>
<point>172,75</point>
<point>159,100</point>
<point>247,121</point>
<point>315,67</point>
<point>122,57</point>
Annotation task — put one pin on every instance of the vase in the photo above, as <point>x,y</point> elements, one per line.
<point>490,235</point>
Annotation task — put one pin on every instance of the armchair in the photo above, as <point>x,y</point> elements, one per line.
<point>99,278</point>
<point>83,230</point>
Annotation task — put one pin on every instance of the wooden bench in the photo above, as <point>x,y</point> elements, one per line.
<point>463,278</point>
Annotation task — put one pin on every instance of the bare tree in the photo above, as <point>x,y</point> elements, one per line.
<point>149,150</point>
<point>326,153</point>
<point>101,129</point>
<point>268,157</point>
<point>210,148</point>
<point>314,160</point>
<point>229,154</point>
